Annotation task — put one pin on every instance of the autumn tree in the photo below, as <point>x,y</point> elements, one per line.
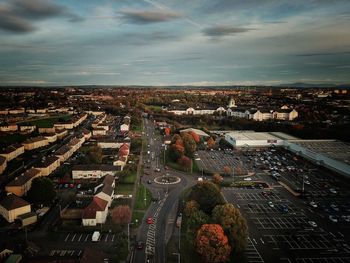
<point>227,170</point>
<point>191,207</point>
<point>121,214</point>
<point>210,143</point>
<point>176,151</point>
<point>217,179</point>
<point>239,170</point>
<point>189,144</point>
<point>207,195</point>
<point>212,244</point>
<point>176,138</point>
<point>233,224</point>
<point>195,137</point>
<point>185,162</point>
<point>194,222</point>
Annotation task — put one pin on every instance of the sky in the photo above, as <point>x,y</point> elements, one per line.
<point>174,42</point>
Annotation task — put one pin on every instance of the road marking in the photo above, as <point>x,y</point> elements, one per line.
<point>113,237</point>
<point>80,237</point>
<point>340,234</point>
<point>86,238</point>
<point>255,241</point>
<point>106,238</point>
<point>66,238</point>
<point>262,241</point>
<point>73,237</point>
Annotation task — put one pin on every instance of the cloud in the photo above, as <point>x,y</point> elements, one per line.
<point>148,16</point>
<point>18,15</point>
<point>323,54</point>
<point>224,30</point>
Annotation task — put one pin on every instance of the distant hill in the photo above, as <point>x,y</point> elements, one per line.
<point>317,85</point>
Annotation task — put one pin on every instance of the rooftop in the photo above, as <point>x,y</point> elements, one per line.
<point>253,136</point>
<point>12,202</point>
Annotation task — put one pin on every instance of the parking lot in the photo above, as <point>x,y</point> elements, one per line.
<point>286,228</point>
<point>216,161</point>
<point>87,238</point>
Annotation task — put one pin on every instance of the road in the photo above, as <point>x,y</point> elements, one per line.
<point>163,211</point>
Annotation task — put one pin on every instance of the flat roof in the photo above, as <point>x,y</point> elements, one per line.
<point>252,136</point>
<point>333,149</point>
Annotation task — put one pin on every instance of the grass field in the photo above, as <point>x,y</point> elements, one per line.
<point>130,178</point>
<point>47,122</point>
<point>143,198</point>
<point>124,189</point>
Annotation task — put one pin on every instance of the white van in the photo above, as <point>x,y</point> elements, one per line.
<point>96,236</point>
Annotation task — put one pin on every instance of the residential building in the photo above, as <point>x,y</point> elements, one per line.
<point>8,127</point>
<point>51,137</point>
<point>200,133</point>
<point>47,130</point>
<point>91,171</point>
<point>124,127</point>
<point>109,143</point>
<point>26,128</point>
<point>3,164</point>
<point>63,153</point>
<point>48,165</point>
<point>95,213</point>
<point>12,151</point>
<point>21,184</point>
<point>99,131</point>
<point>285,114</point>
<point>61,133</point>
<point>12,206</point>
<point>34,143</point>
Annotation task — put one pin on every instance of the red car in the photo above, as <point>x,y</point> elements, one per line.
<point>149,220</point>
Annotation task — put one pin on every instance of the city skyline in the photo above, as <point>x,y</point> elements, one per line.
<point>167,42</point>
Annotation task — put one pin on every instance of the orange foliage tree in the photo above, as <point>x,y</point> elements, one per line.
<point>210,142</point>
<point>212,244</point>
<point>217,178</point>
<point>185,162</point>
<point>195,137</point>
<point>227,169</point>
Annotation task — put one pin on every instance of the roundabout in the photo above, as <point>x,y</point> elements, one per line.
<point>166,180</point>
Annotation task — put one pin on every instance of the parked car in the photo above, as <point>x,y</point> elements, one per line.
<point>333,218</point>
<point>312,223</point>
<point>271,204</point>
<point>139,245</point>
<point>313,204</point>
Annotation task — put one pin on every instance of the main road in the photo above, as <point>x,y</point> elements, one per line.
<point>164,208</point>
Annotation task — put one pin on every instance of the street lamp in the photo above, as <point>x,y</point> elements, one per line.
<point>178,257</point>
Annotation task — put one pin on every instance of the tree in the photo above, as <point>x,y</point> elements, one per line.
<point>176,151</point>
<point>95,155</point>
<point>195,137</point>
<point>176,138</point>
<point>227,170</point>
<point>210,143</point>
<point>233,224</point>
<point>212,244</point>
<point>121,214</point>
<point>189,144</point>
<point>195,221</point>
<point>207,195</point>
<point>191,207</point>
<point>185,162</point>
<point>42,190</point>
<point>239,170</point>
<point>217,179</point>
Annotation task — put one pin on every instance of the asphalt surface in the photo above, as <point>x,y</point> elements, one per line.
<point>163,211</point>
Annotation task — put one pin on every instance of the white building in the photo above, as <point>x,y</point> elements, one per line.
<point>252,139</point>
<point>91,171</point>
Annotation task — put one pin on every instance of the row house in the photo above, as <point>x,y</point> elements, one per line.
<point>12,151</point>
<point>99,132</point>
<point>47,130</point>
<point>100,119</point>
<point>12,206</point>
<point>263,114</point>
<point>197,110</point>
<point>64,153</point>
<point>34,143</point>
<point>87,134</point>
<point>109,143</point>
<point>17,111</point>
<point>27,128</point>
<point>3,164</point>
<point>76,143</point>
<point>21,184</point>
<point>8,127</point>
<point>61,133</point>
<point>51,137</point>
<point>92,171</point>
<point>48,165</point>
<point>123,154</point>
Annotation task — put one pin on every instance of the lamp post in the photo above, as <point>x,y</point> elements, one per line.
<point>178,257</point>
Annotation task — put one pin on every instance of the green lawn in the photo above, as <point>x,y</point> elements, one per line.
<point>13,138</point>
<point>124,189</point>
<point>130,178</point>
<point>153,107</point>
<point>143,198</point>
<point>137,215</point>
<point>47,122</point>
